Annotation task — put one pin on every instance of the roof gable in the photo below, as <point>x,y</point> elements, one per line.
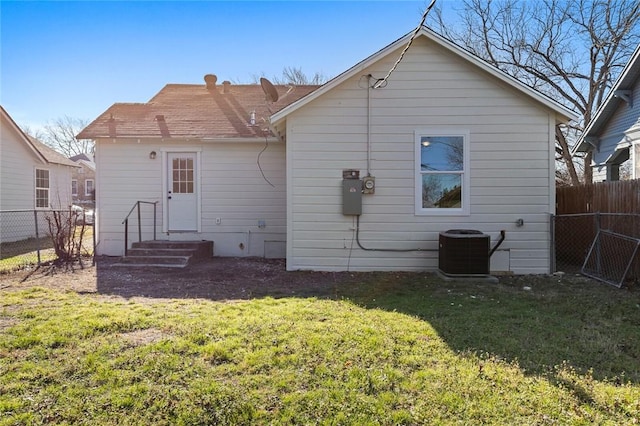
<point>628,78</point>
<point>42,152</point>
<point>564,113</point>
<point>84,160</point>
<point>23,136</point>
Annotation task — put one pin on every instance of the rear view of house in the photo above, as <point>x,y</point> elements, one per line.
<point>201,158</point>
<point>362,173</point>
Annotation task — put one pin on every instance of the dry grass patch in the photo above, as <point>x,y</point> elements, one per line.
<point>143,337</point>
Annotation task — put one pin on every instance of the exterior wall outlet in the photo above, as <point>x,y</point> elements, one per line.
<point>262,223</point>
<point>218,220</point>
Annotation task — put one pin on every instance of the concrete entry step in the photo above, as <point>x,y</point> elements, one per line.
<point>203,249</point>
<point>160,252</point>
<point>166,254</point>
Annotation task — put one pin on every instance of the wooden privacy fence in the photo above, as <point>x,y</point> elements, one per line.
<point>603,197</point>
<point>582,211</point>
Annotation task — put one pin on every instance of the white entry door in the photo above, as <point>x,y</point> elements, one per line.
<point>182,191</point>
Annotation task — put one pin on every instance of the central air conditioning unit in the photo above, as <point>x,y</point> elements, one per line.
<point>464,252</point>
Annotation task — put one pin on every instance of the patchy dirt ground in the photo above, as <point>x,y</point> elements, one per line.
<point>218,279</point>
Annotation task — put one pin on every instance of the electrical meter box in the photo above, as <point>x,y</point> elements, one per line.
<point>351,192</point>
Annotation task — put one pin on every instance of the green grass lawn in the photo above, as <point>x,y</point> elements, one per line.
<point>390,349</point>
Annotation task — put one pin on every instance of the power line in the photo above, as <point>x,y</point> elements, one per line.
<point>383,81</point>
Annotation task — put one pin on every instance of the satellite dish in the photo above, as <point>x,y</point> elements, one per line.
<point>269,90</point>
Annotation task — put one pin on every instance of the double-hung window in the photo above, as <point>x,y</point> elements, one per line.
<point>42,189</point>
<point>74,187</point>
<point>88,187</point>
<point>442,172</point>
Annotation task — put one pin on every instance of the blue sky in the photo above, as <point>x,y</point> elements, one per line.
<point>78,58</point>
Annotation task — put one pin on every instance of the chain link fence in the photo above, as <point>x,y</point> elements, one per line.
<point>601,245</point>
<point>26,239</point>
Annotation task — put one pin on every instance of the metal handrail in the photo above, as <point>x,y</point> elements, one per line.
<point>125,222</point>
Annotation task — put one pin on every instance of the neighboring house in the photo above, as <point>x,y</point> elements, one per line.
<point>451,142</point>
<point>613,135</point>
<point>83,181</point>
<point>32,177</point>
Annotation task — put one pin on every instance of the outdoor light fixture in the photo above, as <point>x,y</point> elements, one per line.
<point>152,155</point>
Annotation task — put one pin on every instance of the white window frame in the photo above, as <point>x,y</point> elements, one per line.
<point>466,174</point>
<point>41,188</point>
<point>76,187</point>
<point>86,187</point>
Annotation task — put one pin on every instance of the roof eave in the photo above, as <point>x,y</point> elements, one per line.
<point>65,164</point>
<point>176,139</point>
<point>625,81</point>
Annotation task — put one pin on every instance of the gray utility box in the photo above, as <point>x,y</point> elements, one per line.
<point>351,196</point>
<point>464,252</point>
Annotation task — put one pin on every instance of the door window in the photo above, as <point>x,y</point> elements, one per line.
<point>183,176</point>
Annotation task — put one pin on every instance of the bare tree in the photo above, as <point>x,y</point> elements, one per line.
<point>61,135</point>
<point>572,50</point>
<point>293,76</point>
<point>34,133</point>
<point>67,231</point>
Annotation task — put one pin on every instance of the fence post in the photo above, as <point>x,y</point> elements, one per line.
<point>552,249</point>
<point>35,218</point>
<point>93,237</point>
<point>596,218</point>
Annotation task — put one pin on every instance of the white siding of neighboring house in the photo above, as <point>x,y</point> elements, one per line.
<point>18,164</point>
<point>613,136</point>
<point>232,189</point>
<point>512,175</point>
<point>17,168</point>
<point>60,186</point>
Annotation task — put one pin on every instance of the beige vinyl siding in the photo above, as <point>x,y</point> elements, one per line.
<point>232,189</point>
<point>510,166</point>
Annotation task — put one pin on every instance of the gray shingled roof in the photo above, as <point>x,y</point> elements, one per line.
<point>50,154</point>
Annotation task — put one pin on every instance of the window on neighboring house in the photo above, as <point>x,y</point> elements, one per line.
<point>42,188</point>
<point>74,187</point>
<point>88,187</point>
<point>442,172</point>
